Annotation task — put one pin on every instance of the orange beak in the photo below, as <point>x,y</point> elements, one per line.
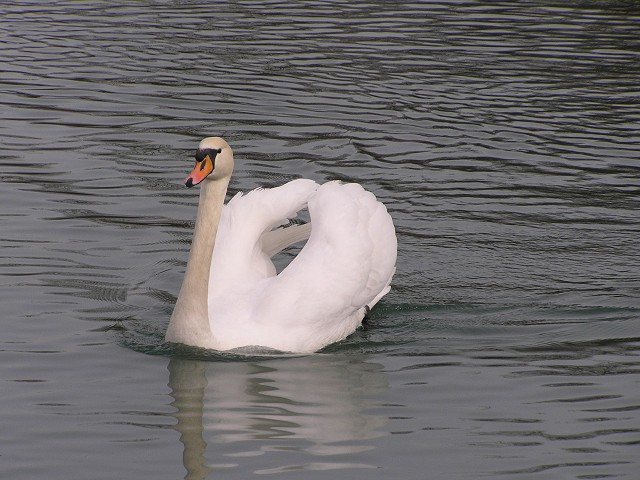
<point>200,171</point>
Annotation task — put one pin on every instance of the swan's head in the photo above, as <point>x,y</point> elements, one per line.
<point>214,160</point>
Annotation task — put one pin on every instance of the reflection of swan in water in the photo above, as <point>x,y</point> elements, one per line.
<point>314,407</point>
<point>188,381</point>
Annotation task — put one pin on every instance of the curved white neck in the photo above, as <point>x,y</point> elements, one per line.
<point>189,322</point>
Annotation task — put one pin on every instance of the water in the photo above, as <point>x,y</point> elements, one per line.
<point>503,136</point>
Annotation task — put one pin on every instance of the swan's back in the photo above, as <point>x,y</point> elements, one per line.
<point>322,295</point>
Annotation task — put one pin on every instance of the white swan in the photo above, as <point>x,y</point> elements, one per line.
<point>231,296</point>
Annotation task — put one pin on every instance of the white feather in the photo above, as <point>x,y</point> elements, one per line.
<point>320,297</point>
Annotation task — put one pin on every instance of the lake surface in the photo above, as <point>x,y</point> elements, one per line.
<point>504,138</point>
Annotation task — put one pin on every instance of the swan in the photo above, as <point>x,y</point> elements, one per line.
<point>231,296</point>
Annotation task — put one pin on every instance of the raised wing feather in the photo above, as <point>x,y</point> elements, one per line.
<point>346,264</point>
<point>321,296</point>
<point>240,253</point>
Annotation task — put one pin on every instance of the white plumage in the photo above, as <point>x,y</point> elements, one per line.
<point>321,297</point>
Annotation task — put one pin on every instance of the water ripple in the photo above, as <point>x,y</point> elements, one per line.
<point>503,137</point>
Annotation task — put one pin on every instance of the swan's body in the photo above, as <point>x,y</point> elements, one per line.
<point>231,296</point>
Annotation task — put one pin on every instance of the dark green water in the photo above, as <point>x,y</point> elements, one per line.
<point>502,136</point>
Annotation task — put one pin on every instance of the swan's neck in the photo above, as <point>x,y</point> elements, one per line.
<point>189,322</point>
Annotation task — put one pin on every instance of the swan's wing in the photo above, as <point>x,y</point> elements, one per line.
<point>277,240</point>
<point>245,240</point>
<point>346,265</point>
